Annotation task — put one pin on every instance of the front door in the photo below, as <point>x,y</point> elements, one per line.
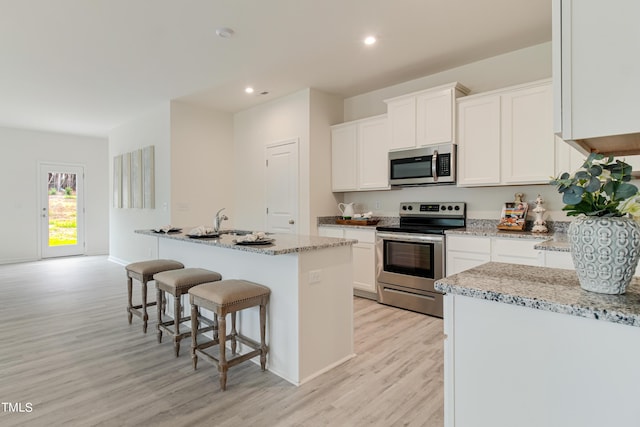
<point>61,210</point>
<point>282,187</point>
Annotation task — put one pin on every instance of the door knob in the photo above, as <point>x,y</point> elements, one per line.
<point>291,221</point>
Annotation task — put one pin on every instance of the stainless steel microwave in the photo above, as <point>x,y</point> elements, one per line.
<point>433,164</point>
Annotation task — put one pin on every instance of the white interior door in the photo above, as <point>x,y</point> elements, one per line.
<point>61,210</point>
<point>282,187</point>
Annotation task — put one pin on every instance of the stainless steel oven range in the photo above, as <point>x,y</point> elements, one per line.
<point>411,256</point>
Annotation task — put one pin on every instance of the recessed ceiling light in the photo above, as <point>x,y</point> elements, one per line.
<point>248,89</point>
<point>225,33</point>
<point>369,40</point>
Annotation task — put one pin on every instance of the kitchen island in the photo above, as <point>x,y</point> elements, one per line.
<point>310,313</point>
<point>526,346</point>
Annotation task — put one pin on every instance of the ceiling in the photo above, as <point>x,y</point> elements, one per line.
<point>85,67</point>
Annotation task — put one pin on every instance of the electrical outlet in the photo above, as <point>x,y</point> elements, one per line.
<point>315,276</point>
<point>378,205</point>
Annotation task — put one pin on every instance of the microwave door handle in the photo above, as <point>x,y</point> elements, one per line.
<point>434,165</point>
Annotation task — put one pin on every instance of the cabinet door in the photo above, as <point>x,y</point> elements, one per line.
<point>479,141</point>
<point>434,117</point>
<point>344,152</point>
<point>465,252</point>
<point>516,251</point>
<point>402,123</point>
<point>555,259</point>
<point>527,136</point>
<point>599,90</point>
<point>364,267</point>
<point>373,150</point>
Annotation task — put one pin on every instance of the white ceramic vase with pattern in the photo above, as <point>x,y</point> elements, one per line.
<point>605,252</point>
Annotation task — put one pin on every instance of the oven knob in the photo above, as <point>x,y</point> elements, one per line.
<point>457,208</point>
<point>450,207</point>
<point>404,208</point>
<point>410,207</point>
<point>443,208</point>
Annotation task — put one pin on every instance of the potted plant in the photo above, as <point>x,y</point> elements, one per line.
<point>605,235</point>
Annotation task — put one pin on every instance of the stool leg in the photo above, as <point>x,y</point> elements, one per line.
<point>159,296</point>
<point>263,347</point>
<point>233,333</point>
<point>222,364</point>
<point>176,323</point>
<point>145,316</point>
<point>194,334</point>
<point>215,326</point>
<point>129,298</point>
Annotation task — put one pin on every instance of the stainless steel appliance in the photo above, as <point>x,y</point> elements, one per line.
<point>433,164</point>
<point>411,256</point>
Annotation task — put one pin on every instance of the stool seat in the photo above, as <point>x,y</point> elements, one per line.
<point>178,283</point>
<point>222,298</point>
<point>151,267</point>
<point>229,292</point>
<point>143,272</point>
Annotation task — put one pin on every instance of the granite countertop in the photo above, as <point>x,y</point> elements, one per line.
<point>559,243</point>
<point>282,244</point>
<point>494,232</point>
<point>542,288</point>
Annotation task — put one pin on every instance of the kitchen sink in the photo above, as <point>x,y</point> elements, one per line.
<point>236,232</point>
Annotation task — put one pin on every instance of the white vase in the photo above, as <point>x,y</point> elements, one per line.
<point>605,252</point>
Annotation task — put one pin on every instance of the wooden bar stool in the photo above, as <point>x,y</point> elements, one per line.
<point>178,283</point>
<point>143,272</point>
<point>228,296</point>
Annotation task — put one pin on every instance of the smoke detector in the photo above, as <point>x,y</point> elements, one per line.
<point>225,33</point>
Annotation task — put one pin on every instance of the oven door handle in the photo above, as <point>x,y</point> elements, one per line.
<point>411,237</point>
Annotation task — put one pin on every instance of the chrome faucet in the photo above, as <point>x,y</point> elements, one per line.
<point>217,221</point>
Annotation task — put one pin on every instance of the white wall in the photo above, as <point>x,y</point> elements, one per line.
<point>281,119</point>
<point>520,66</point>
<point>150,129</point>
<point>20,204</point>
<point>326,110</point>
<point>201,165</point>
<point>517,67</point>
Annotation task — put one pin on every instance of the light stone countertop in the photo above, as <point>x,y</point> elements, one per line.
<point>494,232</point>
<point>282,244</point>
<point>542,288</point>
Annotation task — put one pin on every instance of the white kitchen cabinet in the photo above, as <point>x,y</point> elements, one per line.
<point>527,135</point>
<point>516,251</point>
<point>359,159</point>
<point>505,137</point>
<point>479,141</point>
<point>595,72</point>
<point>423,118</point>
<point>344,157</point>
<point>557,259</point>
<point>364,257</point>
<point>465,252</point>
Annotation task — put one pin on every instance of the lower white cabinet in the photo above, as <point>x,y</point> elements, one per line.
<point>364,257</point>
<point>465,252</point>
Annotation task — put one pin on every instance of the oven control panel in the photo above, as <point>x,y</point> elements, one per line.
<point>432,209</point>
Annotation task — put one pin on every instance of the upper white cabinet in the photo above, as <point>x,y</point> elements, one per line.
<point>506,137</point>
<point>423,118</point>
<point>359,155</point>
<point>595,71</point>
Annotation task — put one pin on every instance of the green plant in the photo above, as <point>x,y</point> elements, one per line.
<point>599,188</point>
<point>53,192</point>
<point>68,191</point>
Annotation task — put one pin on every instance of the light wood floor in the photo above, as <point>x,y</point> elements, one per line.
<point>66,348</point>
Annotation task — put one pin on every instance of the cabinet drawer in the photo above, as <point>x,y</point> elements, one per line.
<point>516,251</point>
<point>362,235</point>
<point>469,244</point>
